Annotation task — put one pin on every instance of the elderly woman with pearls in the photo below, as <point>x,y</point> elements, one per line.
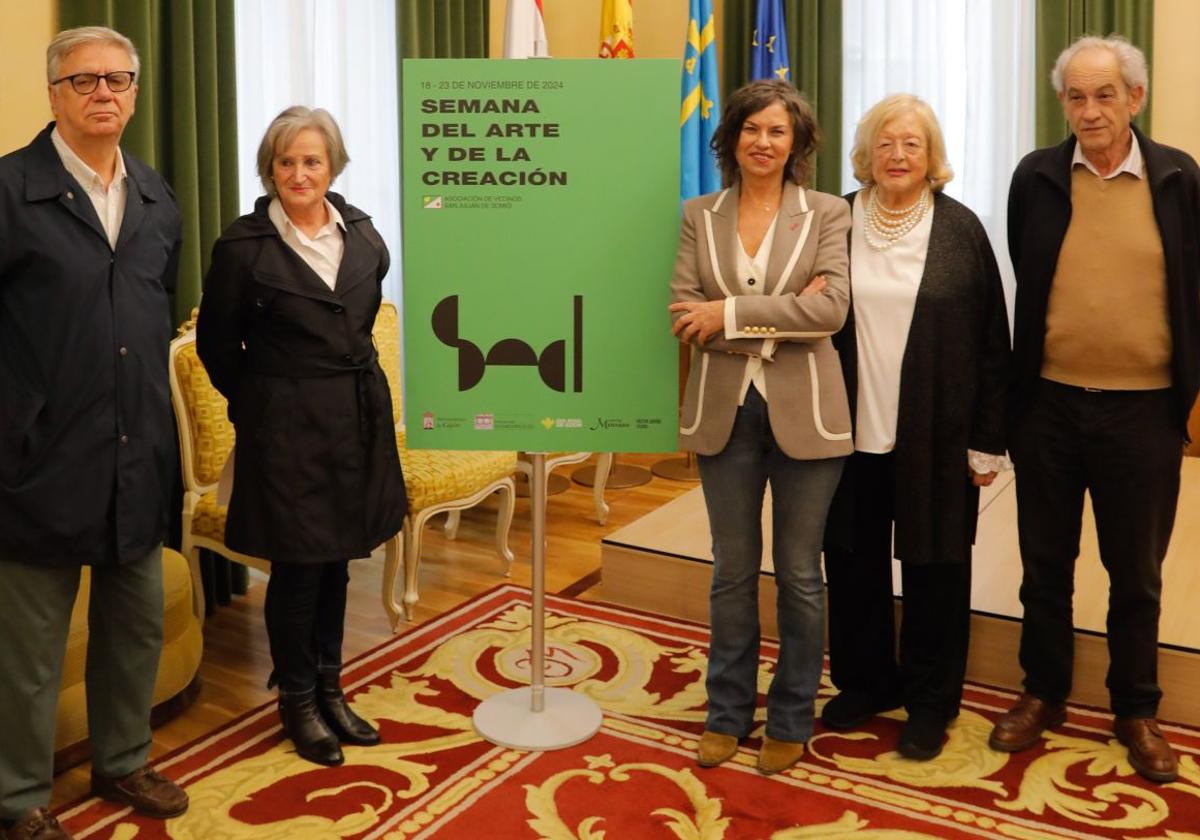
<point>925,355</point>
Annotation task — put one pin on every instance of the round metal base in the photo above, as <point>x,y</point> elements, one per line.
<point>567,718</point>
<point>620,477</point>
<point>555,484</point>
<point>677,469</point>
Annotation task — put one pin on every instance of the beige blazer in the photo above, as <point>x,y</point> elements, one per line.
<point>806,396</point>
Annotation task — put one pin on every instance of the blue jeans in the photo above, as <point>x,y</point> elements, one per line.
<point>734,482</point>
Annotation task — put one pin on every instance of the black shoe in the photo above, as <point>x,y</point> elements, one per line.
<point>852,708</point>
<point>923,735</point>
<point>302,722</point>
<point>349,727</point>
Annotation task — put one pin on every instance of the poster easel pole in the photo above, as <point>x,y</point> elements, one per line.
<point>536,717</point>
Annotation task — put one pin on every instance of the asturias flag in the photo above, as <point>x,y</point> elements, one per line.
<point>768,47</point>
<point>524,30</point>
<point>700,109</point>
<point>616,29</point>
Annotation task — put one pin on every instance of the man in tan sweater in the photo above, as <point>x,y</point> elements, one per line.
<point>1103,232</point>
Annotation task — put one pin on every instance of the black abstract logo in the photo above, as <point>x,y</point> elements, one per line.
<point>473,363</point>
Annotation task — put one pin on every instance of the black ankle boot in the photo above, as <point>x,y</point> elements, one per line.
<point>349,727</point>
<point>303,723</point>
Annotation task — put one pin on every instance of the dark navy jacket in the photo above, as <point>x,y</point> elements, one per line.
<point>87,448</point>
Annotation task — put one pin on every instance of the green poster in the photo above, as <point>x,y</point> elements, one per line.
<point>541,215</point>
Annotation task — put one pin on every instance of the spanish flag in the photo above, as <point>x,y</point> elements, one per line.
<point>616,29</point>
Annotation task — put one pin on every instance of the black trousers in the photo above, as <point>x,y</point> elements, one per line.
<point>306,612</point>
<point>936,617</point>
<point>1125,449</point>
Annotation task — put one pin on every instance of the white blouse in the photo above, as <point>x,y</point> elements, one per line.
<point>751,280</point>
<point>883,285</point>
<point>322,252</point>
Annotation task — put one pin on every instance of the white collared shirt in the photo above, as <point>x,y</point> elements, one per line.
<point>752,280</point>
<point>322,252</point>
<point>1133,161</point>
<point>109,201</point>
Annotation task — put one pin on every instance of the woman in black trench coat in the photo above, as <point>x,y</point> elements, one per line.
<point>285,333</point>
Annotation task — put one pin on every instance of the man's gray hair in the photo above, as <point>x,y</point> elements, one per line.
<point>1130,58</point>
<point>283,130</point>
<point>69,40</point>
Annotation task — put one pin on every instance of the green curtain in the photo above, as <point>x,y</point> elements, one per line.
<point>1059,22</point>
<point>442,28</point>
<point>814,33</point>
<point>185,125</point>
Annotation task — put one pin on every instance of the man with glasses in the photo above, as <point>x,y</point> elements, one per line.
<point>89,244</point>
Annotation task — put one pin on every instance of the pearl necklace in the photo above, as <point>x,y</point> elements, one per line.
<point>885,226</point>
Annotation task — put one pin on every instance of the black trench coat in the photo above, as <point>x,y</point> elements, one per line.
<point>87,443</point>
<point>317,476</point>
<point>953,385</point>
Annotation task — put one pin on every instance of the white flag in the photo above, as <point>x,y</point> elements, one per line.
<point>524,30</point>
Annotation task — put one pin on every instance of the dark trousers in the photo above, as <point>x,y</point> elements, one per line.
<point>306,613</point>
<point>1125,449</point>
<point>125,638</point>
<point>936,607</point>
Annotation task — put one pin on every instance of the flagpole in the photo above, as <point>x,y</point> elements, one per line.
<point>536,717</point>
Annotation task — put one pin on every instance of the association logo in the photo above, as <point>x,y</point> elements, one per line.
<point>547,422</point>
<point>427,420</point>
<point>431,202</point>
<point>485,422</point>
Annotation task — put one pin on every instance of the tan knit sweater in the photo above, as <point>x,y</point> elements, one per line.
<point>1106,322</point>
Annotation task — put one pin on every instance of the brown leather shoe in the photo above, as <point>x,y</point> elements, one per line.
<point>777,756</point>
<point>1149,753</point>
<point>715,748</point>
<point>146,791</point>
<point>38,824</point>
<point>1021,727</point>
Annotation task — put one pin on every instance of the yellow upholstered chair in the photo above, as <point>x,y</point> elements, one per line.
<point>206,438</point>
<point>436,480</point>
<point>558,459</point>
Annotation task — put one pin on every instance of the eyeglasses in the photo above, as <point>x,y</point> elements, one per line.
<point>117,81</point>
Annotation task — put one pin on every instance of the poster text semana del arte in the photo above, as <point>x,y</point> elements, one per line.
<point>541,215</point>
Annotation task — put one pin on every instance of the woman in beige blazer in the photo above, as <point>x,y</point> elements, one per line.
<point>760,283</point>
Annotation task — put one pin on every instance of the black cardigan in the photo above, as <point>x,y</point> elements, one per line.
<point>953,383</point>
<point>1039,211</point>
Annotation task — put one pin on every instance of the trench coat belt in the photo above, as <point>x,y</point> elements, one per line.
<point>366,373</point>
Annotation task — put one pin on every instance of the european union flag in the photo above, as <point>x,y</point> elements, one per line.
<point>700,109</point>
<point>768,48</point>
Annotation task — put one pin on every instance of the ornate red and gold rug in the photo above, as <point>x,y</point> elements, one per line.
<point>434,777</point>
